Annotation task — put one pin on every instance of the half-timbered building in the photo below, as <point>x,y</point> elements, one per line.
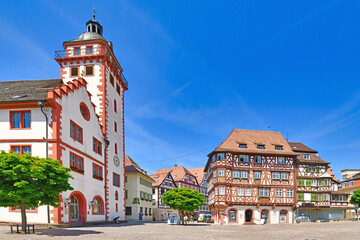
<point>182,177</point>
<point>163,182</point>
<point>202,179</point>
<point>251,178</point>
<point>317,195</point>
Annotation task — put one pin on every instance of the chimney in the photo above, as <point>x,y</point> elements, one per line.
<point>175,165</point>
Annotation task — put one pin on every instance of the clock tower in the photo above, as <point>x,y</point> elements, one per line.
<point>92,57</point>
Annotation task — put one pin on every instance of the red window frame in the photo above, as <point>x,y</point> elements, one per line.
<point>21,148</point>
<point>70,73</point>
<point>13,209</point>
<point>96,174</point>
<point>87,50</point>
<point>101,206</point>
<point>115,106</point>
<point>92,66</point>
<point>77,48</point>
<point>115,126</point>
<point>75,130</point>
<point>76,167</point>
<point>116,149</point>
<point>21,126</point>
<point>116,179</point>
<point>118,88</point>
<point>97,146</point>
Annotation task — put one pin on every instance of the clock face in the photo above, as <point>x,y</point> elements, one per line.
<point>116,161</point>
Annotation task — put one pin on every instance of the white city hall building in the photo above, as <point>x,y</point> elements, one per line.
<point>80,117</point>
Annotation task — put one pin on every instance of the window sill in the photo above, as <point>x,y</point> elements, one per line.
<point>81,171</point>
<point>98,178</point>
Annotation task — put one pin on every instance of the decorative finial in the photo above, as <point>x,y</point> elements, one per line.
<point>94,13</point>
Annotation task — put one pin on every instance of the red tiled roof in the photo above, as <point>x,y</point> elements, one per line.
<point>332,174</point>
<point>159,178</point>
<point>198,173</point>
<point>177,172</point>
<point>132,167</point>
<point>252,138</point>
<point>299,147</point>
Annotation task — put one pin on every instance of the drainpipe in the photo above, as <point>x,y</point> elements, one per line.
<point>41,105</point>
<point>107,143</point>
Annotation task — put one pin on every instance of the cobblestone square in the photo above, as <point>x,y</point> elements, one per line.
<point>304,231</point>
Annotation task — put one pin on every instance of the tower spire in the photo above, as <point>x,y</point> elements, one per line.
<point>94,15</point>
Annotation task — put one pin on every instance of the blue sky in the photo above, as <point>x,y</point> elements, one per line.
<point>198,69</point>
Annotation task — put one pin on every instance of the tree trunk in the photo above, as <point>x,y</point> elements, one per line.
<point>181,217</point>
<point>23,218</point>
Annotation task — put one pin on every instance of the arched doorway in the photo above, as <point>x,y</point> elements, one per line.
<point>248,216</point>
<point>265,215</point>
<point>283,216</point>
<point>74,209</point>
<point>77,207</point>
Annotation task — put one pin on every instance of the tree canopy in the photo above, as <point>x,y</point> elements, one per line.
<point>27,181</point>
<point>355,199</point>
<point>183,199</point>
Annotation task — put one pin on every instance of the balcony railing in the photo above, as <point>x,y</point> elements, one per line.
<point>94,51</point>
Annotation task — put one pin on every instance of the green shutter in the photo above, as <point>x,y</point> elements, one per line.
<point>314,197</point>
<point>300,196</point>
<point>320,183</point>
<point>301,182</point>
<point>308,183</point>
<point>317,169</point>
<point>307,169</point>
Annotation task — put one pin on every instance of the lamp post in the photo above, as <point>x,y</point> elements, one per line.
<point>41,105</point>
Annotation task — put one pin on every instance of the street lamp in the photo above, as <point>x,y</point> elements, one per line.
<point>67,202</point>
<point>91,204</point>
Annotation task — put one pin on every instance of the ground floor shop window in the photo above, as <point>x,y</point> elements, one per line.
<point>265,215</point>
<point>283,216</point>
<point>232,216</point>
<point>128,210</point>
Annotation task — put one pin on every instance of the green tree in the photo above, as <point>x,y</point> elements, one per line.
<point>27,181</point>
<point>355,199</point>
<point>183,199</point>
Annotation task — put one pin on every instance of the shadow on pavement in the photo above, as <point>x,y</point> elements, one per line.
<point>65,232</point>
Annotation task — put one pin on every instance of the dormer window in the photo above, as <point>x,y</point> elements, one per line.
<point>242,145</point>
<point>279,147</point>
<point>261,146</point>
<point>307,156</point>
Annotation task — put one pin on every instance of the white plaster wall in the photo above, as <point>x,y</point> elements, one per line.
<point>274,214</point>
<point>37,130</point>
<point>85,183</point>
<point>15,217</point>
<point>118,138</point>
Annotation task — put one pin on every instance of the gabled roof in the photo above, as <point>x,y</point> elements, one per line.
<point>332,174</point>
<point>177,172</point>
<point>252,138</point>
<point>132,167</point>
<point>27,90</point>
<point>160,177</point>
<point>299,147</point>
<point>198,173</point>
<point>301,150</point>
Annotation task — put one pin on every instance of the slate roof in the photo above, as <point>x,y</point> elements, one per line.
<point>252,138</point>
<point>27,90</point>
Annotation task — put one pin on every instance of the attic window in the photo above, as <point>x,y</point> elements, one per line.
<point>261,146</point>
<point>351,183</point>
<point>279,147</point>
<point>19,96</point>
<point>174,176</point>
<point>307,156</point>
<point>156,176</point>
<point>242,145</point>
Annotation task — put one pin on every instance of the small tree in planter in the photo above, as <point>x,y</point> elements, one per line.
<point>184,200</point>
<point>355,199</point>
<point>27,181</point>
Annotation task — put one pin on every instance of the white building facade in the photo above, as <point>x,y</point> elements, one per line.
<point>85,111</point>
